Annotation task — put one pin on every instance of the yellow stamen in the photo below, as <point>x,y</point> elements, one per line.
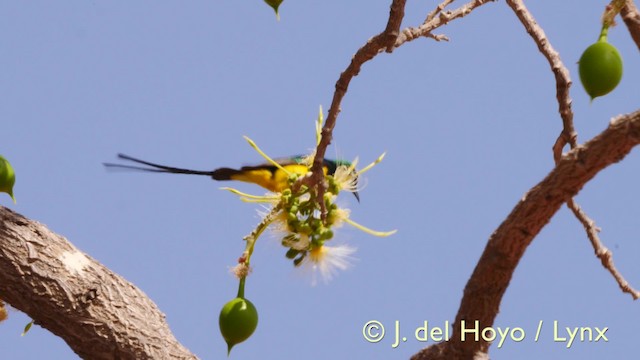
<point>317,253</point>
<point>368,167</point>
<point>353,165</point>
<point>270,160</point>
<point>319,126</point>
<point>258,201</point>
<point>252,198</point>
<point>369,231</point>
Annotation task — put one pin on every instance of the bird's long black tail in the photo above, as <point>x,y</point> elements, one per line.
<point>159,168</point>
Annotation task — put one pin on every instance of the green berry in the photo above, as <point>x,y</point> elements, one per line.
<point>600,68</point>
<point>305,228</point>
<point>7,178</point>
<point>238,320</point>
<point>326,234</point>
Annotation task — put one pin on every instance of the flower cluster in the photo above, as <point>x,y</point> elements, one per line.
<point>297,214</point>
<point>307,224</point>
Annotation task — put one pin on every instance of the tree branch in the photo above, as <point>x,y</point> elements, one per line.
<point>563,82</point>
<point>434,22</point>
<point>506,246</point>
<point>604,254</point>
<point>631,18</point>
<point>98,313</point>
<point>568,134</point>
<point>437,10</point>
<point>376,44</point>
<point>387,40</point>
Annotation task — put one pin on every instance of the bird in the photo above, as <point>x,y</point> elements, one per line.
<point>266,175</point>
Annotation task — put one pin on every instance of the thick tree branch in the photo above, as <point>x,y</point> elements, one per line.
<point>98,313</point>
<point>506,246</point>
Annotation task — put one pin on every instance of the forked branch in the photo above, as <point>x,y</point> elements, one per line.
<point>568,134</point>
<point>387,40</point>
<point>490,279</point>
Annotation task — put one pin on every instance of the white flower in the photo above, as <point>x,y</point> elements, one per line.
<point>327,260</point>
<point>346,177</point>
<point>338,216</point>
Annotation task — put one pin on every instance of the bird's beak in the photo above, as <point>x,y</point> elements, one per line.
<point>355,193</point>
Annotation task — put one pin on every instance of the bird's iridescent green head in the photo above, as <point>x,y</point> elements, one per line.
<point>332,165</point>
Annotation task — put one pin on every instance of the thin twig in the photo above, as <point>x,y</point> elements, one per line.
<point>563,82</point>
<point>424,30</point>
<point>437,10</point>
<point>601,251</point>
<point>437,37</point>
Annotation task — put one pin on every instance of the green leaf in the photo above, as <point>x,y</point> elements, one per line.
<point>27,328</point>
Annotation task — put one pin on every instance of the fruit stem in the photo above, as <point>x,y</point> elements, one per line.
<point>241,290</point>
<point>255,234</point>
<point>603,33</point>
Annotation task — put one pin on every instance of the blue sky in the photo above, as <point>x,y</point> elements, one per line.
<point>467,125</point>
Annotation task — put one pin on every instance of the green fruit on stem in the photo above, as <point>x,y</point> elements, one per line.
<point>7,178</point>
<point>600,67</point>
<point>275,4</point>
<point>238,320</point>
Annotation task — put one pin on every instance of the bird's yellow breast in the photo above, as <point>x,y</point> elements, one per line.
<point>272,179</point>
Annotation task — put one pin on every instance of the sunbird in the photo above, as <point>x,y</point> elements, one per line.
<point>265,175</point>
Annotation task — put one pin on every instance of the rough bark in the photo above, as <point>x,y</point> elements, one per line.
<point>98,313</point>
